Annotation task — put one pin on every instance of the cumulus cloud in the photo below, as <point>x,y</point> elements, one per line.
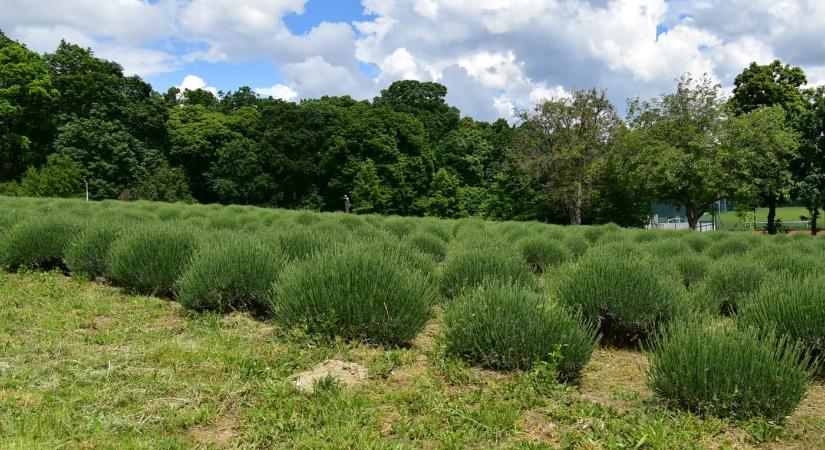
<point>194,82</point>
<point>493,55</point>
<point>280,91</point>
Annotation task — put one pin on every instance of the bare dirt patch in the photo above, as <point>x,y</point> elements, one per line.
<point>613,377</point>
<point>347,373</point>
<point>219,433</point>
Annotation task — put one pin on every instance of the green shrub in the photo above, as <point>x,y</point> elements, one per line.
<point>787,260</point>
<point>355,292</point>
<point>300,243</point>
<point>38,242</point>
<point>232,272</point>
<point>510,327</point>
<point>697,241</point>
<point>730,280</point>
<point>86,253</point>
<point>691,268</point>
<point>469,267</point>
<point>668,248</point>
<point>628,297</point>
<point>577,244</point>
<point>542,252</point>
<point>400,226</point>
<point>438,228</point>
<point>731,246</point>
<point>407,255</point>
<point>718,370</point>
<point>306,218</point>
<point>795,308</point>
<point>149,258</point>
<point>429,245</point>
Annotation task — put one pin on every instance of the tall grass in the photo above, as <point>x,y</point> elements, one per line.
<point>87,252</point>
<point>467,267</point>
<point>355,292</point>
<point>626,296</point>
<point>715,369</point>
<point>232,272</point>
<point>790,307</point>
<point>38,242</point>
<point>502,326</point>
<point>149,258</point>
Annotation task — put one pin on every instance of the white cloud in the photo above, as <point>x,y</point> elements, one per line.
<point>194,82</point>
<point>280,91</point>
<point>493,55</point>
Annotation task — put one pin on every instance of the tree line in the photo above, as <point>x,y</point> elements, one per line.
<point>69,117</point>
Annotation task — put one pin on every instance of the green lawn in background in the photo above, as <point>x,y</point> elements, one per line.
<point>729,221</point>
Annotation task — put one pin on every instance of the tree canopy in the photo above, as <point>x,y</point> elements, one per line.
<point>69,117</point>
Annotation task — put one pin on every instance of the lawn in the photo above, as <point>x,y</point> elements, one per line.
<point>83,365</point>
<point>787,214</point>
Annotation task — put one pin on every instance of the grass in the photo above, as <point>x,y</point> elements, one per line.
<point>84,365</point>
<point>729,221</point>
<point>94,368</point>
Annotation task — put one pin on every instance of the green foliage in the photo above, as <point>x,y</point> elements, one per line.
<point>429,244</point>
<point>628,297</point>
<point>576,243</point>
<point>165,184</point>
<point>542,252</point>
<point>692,268</point>
<point>510,327</point>
<point>149,258</point>
<point>735,245</point>
<point>467,267</point>
<point>673,145</point>
<point>793,308</point>
<point>234,271</point>
<point>86,253</point>
<point>400,226</point>
<point>300,243</point>
<point>357,293</point>
<point>787,260</point>
<point>37,242</point>
<point>60,177</point>
<point>719,370</point>
<point>730,280</point>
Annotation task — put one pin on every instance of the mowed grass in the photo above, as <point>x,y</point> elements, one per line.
<point>787,214</point>
<point>83,365</point>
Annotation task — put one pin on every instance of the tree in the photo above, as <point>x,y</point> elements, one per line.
<point>620,196</point>
<point>562,141</point>
<point>674,141</point>
<point>773,84</point>
<point>196,135</point>
<point>759,147</point>
<point>26,94</point>
<point>59,177</point>
<point>237,176</point>
<point>424,100</point>
<point>111,156</point>
<point>368,195</point>
<point>443,200</point>
<point>163,184</point>
<point>768,85</point>
<point>809,167</point>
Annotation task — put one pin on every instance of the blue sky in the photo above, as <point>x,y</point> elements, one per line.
<point>494,56</point>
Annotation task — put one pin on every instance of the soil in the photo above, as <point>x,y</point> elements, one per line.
<point>347,373</point>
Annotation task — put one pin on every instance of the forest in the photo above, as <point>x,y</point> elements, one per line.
<point>69,118</point>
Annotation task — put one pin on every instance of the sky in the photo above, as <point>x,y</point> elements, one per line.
<point>493,55</point>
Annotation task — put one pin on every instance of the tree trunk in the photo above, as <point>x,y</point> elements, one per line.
<point>772,214</point>
<point>814,216</point>
<point>576,206</point>
<point>692,217</point>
